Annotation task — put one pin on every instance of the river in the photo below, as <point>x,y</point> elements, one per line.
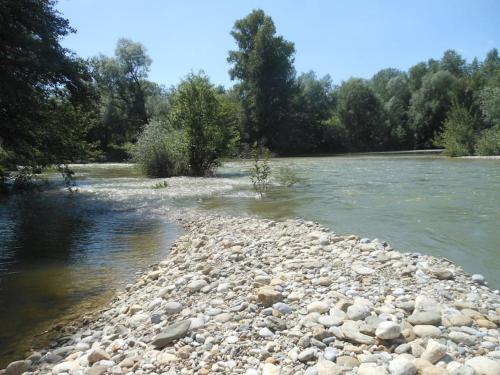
<point>62,254</point>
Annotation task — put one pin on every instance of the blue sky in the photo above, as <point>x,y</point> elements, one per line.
<point>341,38</point>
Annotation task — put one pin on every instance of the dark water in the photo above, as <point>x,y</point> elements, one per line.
<point>63,254</point>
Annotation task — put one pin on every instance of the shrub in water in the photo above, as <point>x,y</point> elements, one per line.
<point>162,151</point>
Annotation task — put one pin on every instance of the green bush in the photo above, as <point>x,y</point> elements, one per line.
<point>162,151</point>
<point>208,118</point>
<point>458,132</point>
<point>260,172</point>
<point>488,142</point>
<point>199,128</point>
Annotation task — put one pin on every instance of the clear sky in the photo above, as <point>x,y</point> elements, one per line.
<point>341,38</point>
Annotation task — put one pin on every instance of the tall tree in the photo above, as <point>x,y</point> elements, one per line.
<point>429,106</point>
<point>37,77</point>
<point>124,91</point>
<point>263,65</point>
<point>361,113</point>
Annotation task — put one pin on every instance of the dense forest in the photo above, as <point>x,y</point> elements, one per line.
<point>57,108</point>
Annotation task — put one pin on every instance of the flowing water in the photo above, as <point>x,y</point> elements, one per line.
<point>63,254</point>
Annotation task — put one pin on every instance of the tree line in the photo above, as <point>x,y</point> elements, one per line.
<point>57,108</point>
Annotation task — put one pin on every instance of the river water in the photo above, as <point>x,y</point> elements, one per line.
<point>62,254</point>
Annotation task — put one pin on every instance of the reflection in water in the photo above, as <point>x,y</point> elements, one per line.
<point>61,255</point>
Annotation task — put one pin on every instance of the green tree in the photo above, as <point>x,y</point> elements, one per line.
<point>124,92</point>
<point>361,113</point>
<point>453,62</point>
<point>312,106</point>
<point>208,118</point>
<point>489,99</point>
<point>458,132</point>
<point>44,87</point>
<point>263,67</point>
<point>429,106</point>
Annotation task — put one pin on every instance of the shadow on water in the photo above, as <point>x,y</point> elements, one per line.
<point>61,255</point>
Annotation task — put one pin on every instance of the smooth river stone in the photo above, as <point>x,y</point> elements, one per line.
<point>426,330</point>
<point>328,368</point>
<point>351,332</point>
<point>425,317</point>
<point>434,351</point>
<point>484,366</point>
<point>388,330</point>
<point>171,333</point>
<point>318,306</point>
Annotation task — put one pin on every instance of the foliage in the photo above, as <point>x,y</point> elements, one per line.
<point>429,106</point>
<point>260,172</point>
<point>361,113</point>
<point>198,129</point>
<point>458,135</point>
<point>489,99</point>
<point>162,150</point>
<point>207,118</point>
<point>312,106</point>
<point>488,142</point>
<point>45,94</point>
<point>263,67</point>
<point>125,95</point>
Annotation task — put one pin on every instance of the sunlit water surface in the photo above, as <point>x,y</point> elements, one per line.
<point>62,254</point>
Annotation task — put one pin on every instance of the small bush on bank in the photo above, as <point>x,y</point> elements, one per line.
<point>458,135</point>
<point>488,142</point>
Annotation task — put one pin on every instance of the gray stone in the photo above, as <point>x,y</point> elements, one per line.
<point>155,318</point>
<point>351,332</point>
<point>426,330</point>
<point>462,338</point>
<point>17,367</point>
<point>283,308</point>
<point>171,333</point>
<point>173,307</point>
<point>306,355</point>
<point>358,311</point>
<point>432,317</point>
<point>196,285</point>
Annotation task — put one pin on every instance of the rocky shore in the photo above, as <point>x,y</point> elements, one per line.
<point>252,296</point>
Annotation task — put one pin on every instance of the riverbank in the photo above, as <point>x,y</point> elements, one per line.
<point>247,295</point>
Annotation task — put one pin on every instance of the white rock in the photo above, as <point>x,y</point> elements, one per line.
<point>484,366</point>
<point>388,330</point>
<point>318,306</point>
<point>402,366</point>
<point>434,351</point>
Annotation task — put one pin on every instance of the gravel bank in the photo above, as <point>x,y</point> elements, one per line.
<point>252,296</point>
